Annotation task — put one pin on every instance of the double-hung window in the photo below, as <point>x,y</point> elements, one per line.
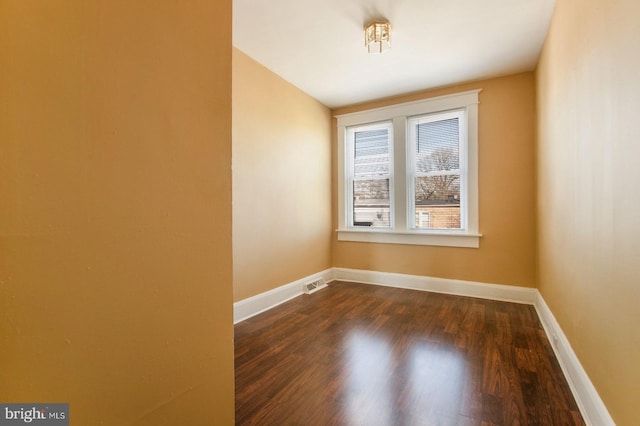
<point>370,169</point>
<point>435,151</point>
<point>408,173</point>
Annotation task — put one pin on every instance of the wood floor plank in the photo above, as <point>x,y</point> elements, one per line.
<point>355,354</point>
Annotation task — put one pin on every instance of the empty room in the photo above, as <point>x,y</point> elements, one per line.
<point>459,196</point>
<point>283,212</point>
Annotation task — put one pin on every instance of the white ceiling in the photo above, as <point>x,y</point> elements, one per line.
<point>318,45</point>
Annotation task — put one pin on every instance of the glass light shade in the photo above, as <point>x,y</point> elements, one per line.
<point>377,37</point>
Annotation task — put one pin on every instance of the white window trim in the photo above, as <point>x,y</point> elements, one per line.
<point>401,233</point>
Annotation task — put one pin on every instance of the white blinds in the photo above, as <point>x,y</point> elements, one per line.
<point>438,145</point>
<point>371,154</point>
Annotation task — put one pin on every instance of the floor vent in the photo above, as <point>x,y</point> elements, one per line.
<point>314,286</point>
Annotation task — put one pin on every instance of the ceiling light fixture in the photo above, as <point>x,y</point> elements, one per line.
<point>377,37</point>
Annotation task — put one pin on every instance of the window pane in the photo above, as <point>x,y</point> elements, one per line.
<point>371,206</point>
<point>371,153</point>
<point>371,198</point>
<point>437,146</point>
<point>437,201</point>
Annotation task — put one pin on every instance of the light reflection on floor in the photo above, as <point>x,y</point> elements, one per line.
<point>367,390</point>
<point>435,376</point>
<point>424,379</point>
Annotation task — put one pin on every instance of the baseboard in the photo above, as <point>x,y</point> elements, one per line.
<point>500,292</point>
<point>255,305</point>
<point>591,406</point>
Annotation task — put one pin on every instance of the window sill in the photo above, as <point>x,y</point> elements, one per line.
<point>441,238</point>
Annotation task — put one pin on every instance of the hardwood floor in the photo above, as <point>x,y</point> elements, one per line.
<point>355,354</point>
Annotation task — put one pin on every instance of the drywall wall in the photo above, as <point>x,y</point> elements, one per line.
<point>588,195</point>
<point>115,231</point>
<point>281,181</point>
<point>506,123</point>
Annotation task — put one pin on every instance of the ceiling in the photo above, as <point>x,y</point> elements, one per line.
<point>319,45</point>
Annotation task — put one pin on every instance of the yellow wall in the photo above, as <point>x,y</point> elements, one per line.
<point>589,198</point>
<point>506,196</point>
<point>281,181</point>
<point>115,231</point>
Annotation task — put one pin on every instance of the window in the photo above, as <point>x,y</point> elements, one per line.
<point>435,183</point>
<point>408,173</point>
<point>369,171</point>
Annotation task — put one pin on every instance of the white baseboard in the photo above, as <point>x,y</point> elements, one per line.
<point>504,293</point>
<point>591,406</point>
<point>255,305</point>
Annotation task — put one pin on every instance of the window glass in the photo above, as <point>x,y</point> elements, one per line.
<point>371,198</point>
<point>436,170</point>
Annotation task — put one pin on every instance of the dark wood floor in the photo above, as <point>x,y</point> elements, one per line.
<point>355,354</point>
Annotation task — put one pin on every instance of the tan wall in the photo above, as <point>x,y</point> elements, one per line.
<point>281,181</point>
<point>589,198</point>
<point>115,231</point>
<point>506,196</point>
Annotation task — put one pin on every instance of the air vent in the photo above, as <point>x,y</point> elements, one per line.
<point>314,286</point>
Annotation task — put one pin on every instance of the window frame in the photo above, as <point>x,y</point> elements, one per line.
<point>350,167</point>
<point>412,173</point>
<point>401,231</point>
